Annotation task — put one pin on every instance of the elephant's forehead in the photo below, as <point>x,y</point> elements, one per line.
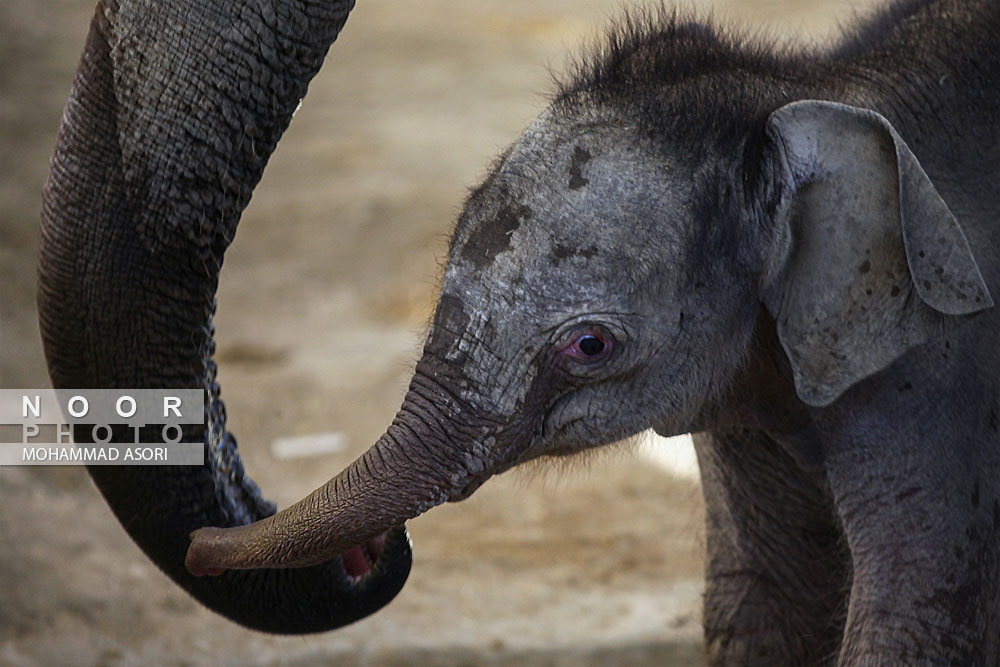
<point>569,216</point>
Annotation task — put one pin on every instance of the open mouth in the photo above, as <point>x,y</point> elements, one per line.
<point>360,560</point>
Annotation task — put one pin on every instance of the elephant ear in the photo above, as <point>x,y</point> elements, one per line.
<point>873,263</point>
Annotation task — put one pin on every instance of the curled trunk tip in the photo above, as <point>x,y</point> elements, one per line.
<point>206,550</point>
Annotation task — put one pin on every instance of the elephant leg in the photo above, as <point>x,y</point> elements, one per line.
<point>778,573</point>
<point>921,516</point>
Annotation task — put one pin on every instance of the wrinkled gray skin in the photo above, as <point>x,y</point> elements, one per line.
<point>174,110</point>
<point>792,254</point>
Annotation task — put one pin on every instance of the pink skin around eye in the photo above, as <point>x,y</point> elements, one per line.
<point>588,345</point>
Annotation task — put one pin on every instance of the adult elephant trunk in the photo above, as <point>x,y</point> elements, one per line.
<point>174,110</point>
<point>424,459</point>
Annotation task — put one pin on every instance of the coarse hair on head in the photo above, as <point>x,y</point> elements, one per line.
<point>653,62</point>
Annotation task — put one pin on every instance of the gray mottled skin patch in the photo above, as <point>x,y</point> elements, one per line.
<point>580,158</point>
<point>450,323</point>
<point>561,252</point>
<point>495,238</point>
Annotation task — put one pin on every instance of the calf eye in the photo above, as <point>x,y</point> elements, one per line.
<point>588,345</point>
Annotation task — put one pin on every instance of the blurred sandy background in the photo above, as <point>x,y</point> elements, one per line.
<point>323,303</point>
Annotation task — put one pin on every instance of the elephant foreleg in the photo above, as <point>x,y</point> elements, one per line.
<point>921,515</point>
<point>778,574</point>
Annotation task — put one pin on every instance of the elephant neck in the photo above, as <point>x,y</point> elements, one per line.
<point>761,394</point>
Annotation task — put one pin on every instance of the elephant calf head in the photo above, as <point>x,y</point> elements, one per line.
<point>607,277</point>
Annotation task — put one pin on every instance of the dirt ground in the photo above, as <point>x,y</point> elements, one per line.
<point>324,298</point>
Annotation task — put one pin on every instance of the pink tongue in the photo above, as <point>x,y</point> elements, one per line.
<point>356,561</point>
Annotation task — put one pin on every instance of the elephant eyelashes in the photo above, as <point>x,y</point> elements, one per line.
<point>588,345</point>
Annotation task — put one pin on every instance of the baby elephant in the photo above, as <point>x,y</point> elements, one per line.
<point>788,253</point>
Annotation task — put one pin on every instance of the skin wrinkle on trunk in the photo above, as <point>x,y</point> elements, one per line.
<point>174,111</point>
